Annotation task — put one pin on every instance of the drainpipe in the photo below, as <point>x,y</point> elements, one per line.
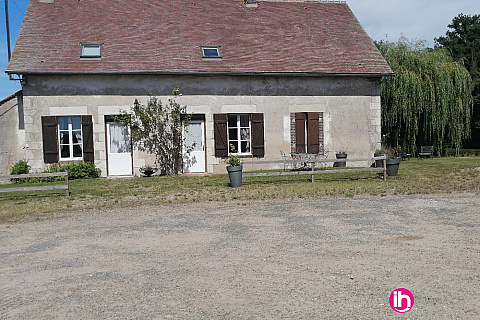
<point>8,30</point>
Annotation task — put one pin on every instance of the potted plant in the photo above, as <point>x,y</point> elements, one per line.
<point>234,168</point>
<point>340,155</point>
<point>393,163</point>
<point>380,153</point>
<point>148,170</point>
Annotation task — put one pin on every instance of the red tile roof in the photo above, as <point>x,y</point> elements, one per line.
<point>289,36</point>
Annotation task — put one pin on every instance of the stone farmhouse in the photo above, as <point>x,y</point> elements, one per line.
<point>264,75</point>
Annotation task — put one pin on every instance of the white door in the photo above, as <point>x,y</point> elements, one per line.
<point>119,150</point>
<point>194,147</point>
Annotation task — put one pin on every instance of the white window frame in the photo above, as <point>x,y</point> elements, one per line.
<point>70,144</point>
<point>216,48</point>
<point>91,51</point>
<point>239,139</point>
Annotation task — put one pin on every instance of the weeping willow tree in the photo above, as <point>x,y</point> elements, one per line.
<point>428,101</point>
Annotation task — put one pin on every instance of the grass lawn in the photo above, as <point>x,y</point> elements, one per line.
<point>436,175</point>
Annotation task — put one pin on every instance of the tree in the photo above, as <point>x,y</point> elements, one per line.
<point>463,41</point>
<point>428,101</point>
<point>158,129</point>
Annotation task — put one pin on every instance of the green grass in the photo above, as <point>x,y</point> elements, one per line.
<point>437,175</point>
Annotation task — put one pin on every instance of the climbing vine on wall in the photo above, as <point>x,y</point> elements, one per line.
<point>428,101</point>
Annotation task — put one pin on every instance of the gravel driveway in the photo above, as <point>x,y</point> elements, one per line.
<point>316,259</point>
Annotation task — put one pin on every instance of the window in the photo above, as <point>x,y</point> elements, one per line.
<point>211,52</point>
<point>91,50</point>
<point>239,133</point>
<point>70,138</point>
<point>306,132</point>
<point>244,131</point>
<point>67,138</point>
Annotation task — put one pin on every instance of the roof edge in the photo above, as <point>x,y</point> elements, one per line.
<point>293,74</point>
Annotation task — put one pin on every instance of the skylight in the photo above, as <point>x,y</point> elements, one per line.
<point>210,52</point>
<point>91,50</point>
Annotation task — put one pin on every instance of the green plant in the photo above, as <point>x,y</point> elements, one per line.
<point>76,170</point>
<point>20,167</point>
<point>158,129</point>
<point>233,159</point>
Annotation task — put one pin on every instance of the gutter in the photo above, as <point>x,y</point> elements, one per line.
<point>282,74</point>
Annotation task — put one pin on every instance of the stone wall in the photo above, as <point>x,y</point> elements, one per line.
<point>12,132</point>
<point>350,107</point>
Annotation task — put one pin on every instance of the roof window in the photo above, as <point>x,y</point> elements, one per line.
<point>91,50</point>
<point>212,52</point>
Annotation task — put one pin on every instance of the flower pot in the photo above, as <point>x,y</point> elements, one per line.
<point>148,173</point>
<point>379,163</point>
<point>392,166</point>
<point>235,176</point>
<point>340,156</point>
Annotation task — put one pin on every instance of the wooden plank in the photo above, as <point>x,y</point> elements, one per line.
<point>35,175</point>
<point>266,162</point>
<point>288,173</point>
<point>39,188</point>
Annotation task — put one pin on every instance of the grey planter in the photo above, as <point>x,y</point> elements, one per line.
<point>235,176</point>
<point>392,166</point>
<point>340,156</point>
<point>379,163</point>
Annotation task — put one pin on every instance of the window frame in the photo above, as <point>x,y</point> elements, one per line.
<point>70,131</point>
<point>239,139</point>
<point>213,57</point>
<point>85,56</point>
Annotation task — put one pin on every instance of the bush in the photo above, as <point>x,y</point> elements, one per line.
<point>20,167</point>
<point>76,170</point>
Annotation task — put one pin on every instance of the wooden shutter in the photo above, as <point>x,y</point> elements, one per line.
<point>300,122</point>
<point>258,141</point>
<point>313,144</point>
<point>220,134</point>
<point>50,139</point>
<point>87,132</point>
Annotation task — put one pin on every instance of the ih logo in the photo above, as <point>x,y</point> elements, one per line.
<point>401,300</point>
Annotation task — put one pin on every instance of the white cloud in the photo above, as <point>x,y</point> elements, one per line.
<point>416,19</point>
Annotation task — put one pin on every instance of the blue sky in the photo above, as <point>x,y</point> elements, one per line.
<point>382,19</point>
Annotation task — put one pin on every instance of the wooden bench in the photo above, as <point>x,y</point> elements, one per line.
<point>313,172</point>
<point>426,151</point>
<point>37,188</point>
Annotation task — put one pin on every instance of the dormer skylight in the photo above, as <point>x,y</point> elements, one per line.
<point>211,52</point>
<point>91,50</point>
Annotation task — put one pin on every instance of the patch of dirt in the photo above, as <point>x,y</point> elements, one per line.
<point>315,259</point>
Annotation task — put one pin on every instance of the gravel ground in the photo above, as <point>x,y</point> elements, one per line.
<point>315,259</point>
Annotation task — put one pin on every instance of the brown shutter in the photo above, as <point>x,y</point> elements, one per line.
<point>87,131</point>
<point>300,121</point>
<point>312,133</point>
<point>258,141</point>
<point>49,135</point>
<point>220,134</point>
